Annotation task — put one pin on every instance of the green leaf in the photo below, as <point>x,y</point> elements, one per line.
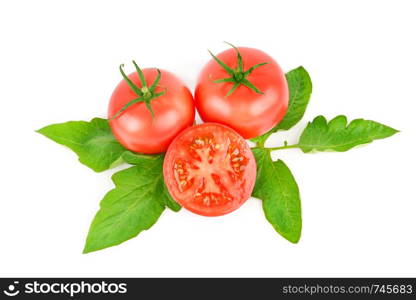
<point>168,200</point>
<point>139,159</point>
<point>300,90</point>
<point>277,188</point>
<point>92,141</point>
<point>134,205</point>
<point>338,135</point>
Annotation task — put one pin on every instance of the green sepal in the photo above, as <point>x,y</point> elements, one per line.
<point>237,76</point>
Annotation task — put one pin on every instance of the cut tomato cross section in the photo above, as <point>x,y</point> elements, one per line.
<point>209,169</point>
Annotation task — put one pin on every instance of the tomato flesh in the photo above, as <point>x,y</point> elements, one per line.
<point>209,169</point>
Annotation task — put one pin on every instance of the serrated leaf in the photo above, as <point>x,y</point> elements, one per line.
<point>92,141</point>
<point>300,90</point>
<point>277,188</point>
<point>338,135</point>
<point>134,205</point>
<point>139,159</point>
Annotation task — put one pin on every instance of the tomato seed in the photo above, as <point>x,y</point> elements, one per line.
<point>199,142</point>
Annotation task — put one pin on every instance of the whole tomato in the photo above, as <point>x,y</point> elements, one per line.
<point>148,109</point>
<point>243,88</point>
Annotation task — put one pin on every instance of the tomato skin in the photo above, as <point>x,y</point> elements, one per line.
<point>136,129</point>
<point>249,113</point>
<point>219,165</point>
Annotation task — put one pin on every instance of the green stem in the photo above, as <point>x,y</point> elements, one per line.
<point>283,147</point>
<point>261,146</point>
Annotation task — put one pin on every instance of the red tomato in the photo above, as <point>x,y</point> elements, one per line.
<point>136,128</point>
<point>248,112</point>
<point>209,169</point>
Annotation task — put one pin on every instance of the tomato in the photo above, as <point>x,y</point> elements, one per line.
<point>209,169</point>
<point>171,104</point>
<point>249,101</point>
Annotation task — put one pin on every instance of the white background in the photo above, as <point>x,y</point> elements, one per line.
<point>59,62</point>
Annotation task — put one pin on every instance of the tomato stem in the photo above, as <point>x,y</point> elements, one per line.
<point>285,146</point>
<point>237,76</point>
<point>146,94</point>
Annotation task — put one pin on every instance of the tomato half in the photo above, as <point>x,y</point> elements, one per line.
<point>209,169</point>
<point>136,128</point>
<point>249,112</point>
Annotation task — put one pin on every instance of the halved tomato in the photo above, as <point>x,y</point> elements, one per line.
<point>209,169</point>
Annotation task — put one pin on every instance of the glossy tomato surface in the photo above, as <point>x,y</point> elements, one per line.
<point>136,129</point>
<point>249,113</point>
<point>209,169</point>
